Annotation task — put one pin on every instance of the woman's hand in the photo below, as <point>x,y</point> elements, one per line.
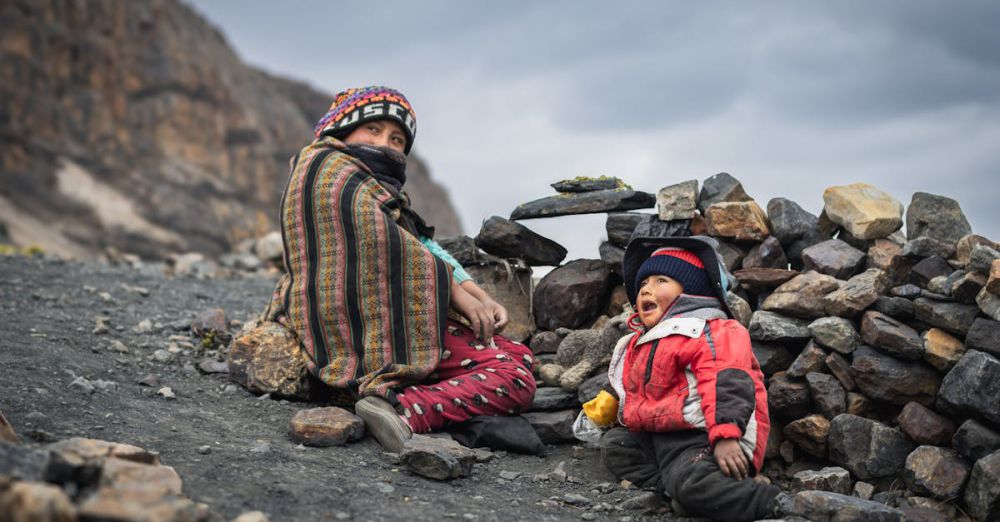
<point>497,312</point>
<point>731,459</point>
<point>473,309</point>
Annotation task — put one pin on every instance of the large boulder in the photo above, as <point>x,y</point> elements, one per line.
<point>972,388</point>
<point>865,211</point>
<point>265,357</point>
<point>936,216</point>
<point>739,221</point>
<point>857,294</point>
<point>721,188</point>
<point>789,222</point>
<point>802,296</point>
<point>770,326</point>
<point>867,448</point>
<point>572,295</point>
<point>679,201</point>
<point>934,471</point>
<point>835,333</point>
<point>984,335</point>
<point>509,285</point>
<point>956,318</point>
<point>974,440</point>
<point>889,379</point>
<point>505,238</point>
<point>891,336</point>
<point>835,258</point>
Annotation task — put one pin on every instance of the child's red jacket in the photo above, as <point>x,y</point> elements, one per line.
<point>688,373</point>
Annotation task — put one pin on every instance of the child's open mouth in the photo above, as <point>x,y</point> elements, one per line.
<point>648,306</point>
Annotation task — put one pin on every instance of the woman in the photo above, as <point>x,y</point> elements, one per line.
<point>367,290</point>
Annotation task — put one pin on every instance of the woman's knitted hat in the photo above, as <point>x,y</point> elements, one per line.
<point>355,106</point>
<point>678,264</point>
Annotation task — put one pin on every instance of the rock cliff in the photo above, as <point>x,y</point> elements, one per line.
<point>135,125</point>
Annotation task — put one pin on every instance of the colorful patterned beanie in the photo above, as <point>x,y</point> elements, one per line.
<point>681,265</point>
<point>355,106</point>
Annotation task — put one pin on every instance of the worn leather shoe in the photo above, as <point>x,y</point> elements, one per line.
<point>382,421</point>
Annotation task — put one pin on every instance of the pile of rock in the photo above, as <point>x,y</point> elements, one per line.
<point>880,349</point>
<point>90,479</point>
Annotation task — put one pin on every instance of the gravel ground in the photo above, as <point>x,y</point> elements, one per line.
<point>230,447</point>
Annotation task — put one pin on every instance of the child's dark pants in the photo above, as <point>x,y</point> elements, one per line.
<point>681,465</point>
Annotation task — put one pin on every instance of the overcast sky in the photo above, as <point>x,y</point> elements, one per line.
<point>788,97</point>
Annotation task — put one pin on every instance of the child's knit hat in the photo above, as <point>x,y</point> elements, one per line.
<point>358,105</point>
<point>678,264</point>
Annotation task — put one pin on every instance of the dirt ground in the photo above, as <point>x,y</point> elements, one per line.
<point>230,447</point>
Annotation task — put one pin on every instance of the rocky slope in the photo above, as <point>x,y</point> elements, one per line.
<point>134,125</point>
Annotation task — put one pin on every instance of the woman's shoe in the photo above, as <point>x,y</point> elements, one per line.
<point>382,421</point>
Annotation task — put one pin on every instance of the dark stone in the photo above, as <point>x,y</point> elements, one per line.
<point>212,324</point>
<point>802,296</point>
<point>653,226</point>
<point>841,369</point>
<point>835,333</point>
<point>956,318</point>
<point>972,388</point>
<point>510,284</point>
<point>936,216</point>
<point>789,222</point>
<point>922,247</point>
<point>891,336</point>
<point>507,239</point>
<point>856,242</point>
<point>553,399</point>
<point>925,426</point>
<point>794,251</point>
<point>833,479</point>
<point>981,258</point>
<point>928,269</point>
<point>732,255</point>
<point>937,472</point>
<point>22,463</point>
<point>545,342</point>
<point>770,326</point>
<point>886,378</point>
<point>867,448</point>
<point>572,295</point>
<point>768,254</point>
<point>787,397</point>
<point>896,307</point>
<point>827,393</point>
<point>763,278</point>
<point>587,184</point>
<point>620,226</point>
<point>612,255</point>
<point>811,359</point>
<point>773,358</point>
<point>834,257</point>
<point>967,285</point>
<point>584,203</point>
<point>829,506</point>
<point>974,440</point>
<point>463,249</point>
<point>982,494</point>
<point>984,335</point>
<point>552,427</point>
<point>721,188</point>
<point>591,387</point>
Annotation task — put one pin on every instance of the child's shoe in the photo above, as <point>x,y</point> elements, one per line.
<point>382,421</point>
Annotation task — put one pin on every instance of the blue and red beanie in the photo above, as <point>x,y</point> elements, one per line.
<point>678,264</point>
<point>355,106</point>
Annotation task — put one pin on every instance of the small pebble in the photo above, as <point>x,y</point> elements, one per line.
<point>204,450</point>
<point>166,392</point>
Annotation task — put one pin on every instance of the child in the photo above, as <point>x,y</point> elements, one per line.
<point>692,393</point>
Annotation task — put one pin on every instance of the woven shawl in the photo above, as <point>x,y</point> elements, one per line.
<point>367,300</point>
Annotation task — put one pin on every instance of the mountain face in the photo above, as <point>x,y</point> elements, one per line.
<point>134,125</point>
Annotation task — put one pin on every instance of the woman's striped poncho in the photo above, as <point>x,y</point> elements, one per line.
<point>367,300</point>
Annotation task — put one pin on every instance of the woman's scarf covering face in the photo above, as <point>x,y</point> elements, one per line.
<point>366,298</point>
<point>387,165</point>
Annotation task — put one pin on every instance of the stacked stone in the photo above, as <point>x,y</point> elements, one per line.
<point>880,349</point>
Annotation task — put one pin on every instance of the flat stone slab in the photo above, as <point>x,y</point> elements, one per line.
<point>833,479</point>
<point>584,203</point>
<point>764,277</point>
<point>437,458</point>
<point>889,379</point>
<point>825,505</point>
<point>553,399</point>
<point>583,184</point>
